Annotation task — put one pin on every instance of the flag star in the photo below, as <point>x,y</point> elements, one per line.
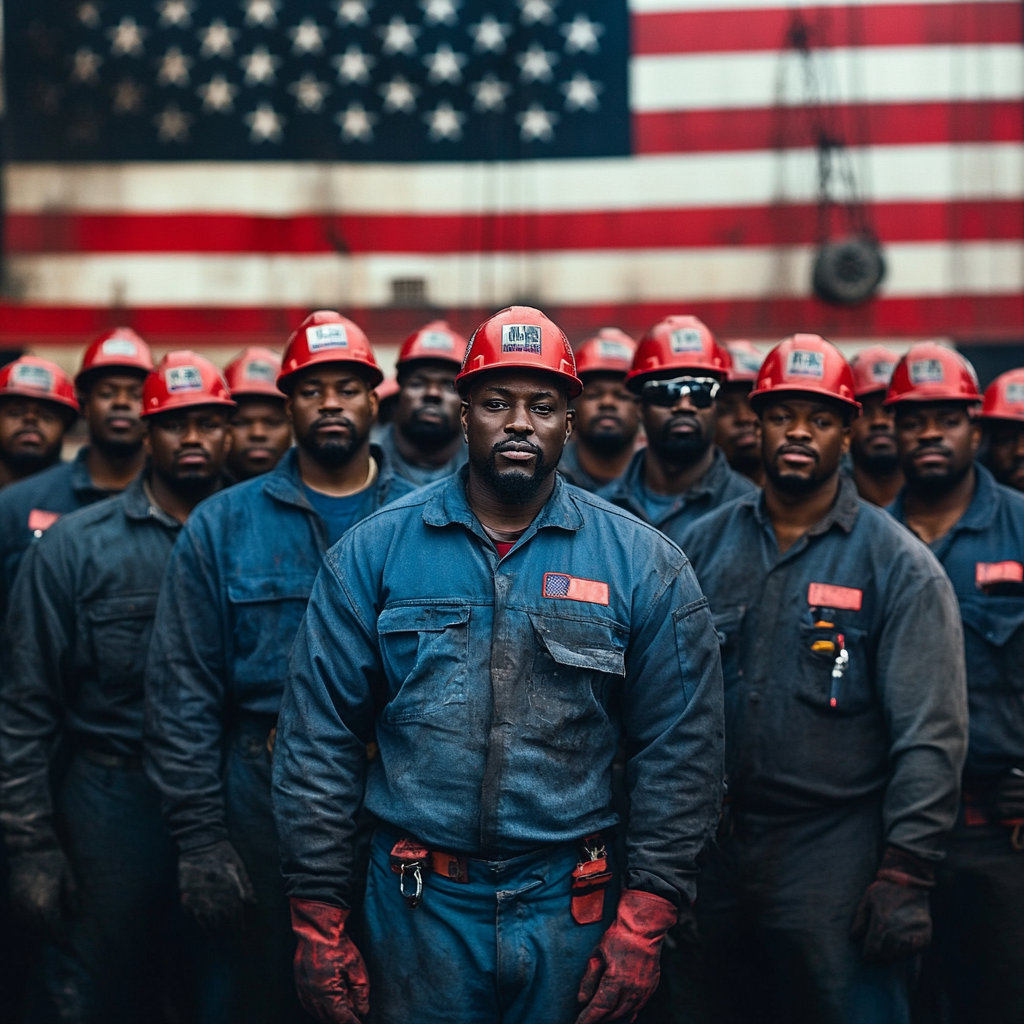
<point>533,12</point>
<point>172,124</point>
<point>536,63</point>
<point>582,34</point>
<point>445,123</point>
<point>85,66</point>
<point>128,97</point>
<point>309,92</point>
<point>126,38</point>
<point>174,67</point>
<point>307,37</point>
<point>218,95</point>
<point>218,39</point>
<point>175,13</point>
<point>89,14</point>
<point>445,65</point>
<point>537,124</point>
<point>261,12</point>
<point>353,65</point>
<point>490,93</point>
<point>399,36</point>
<point>581,92</point>
<point>489,34</point>
<point>353,12</point>
<point>265,124</point>
<point>356,123</point>
<point>399,96</point>
<point>259,66</point>
<point>439,12</point>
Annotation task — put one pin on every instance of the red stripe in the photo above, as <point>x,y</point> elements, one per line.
<point>884,25</point>
<point>876,124</point>
<point>634,229</point>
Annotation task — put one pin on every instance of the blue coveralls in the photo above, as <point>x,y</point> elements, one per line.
<point>497,690</point>
<point>234,594</point>
<point>418,476</point>
<point>569,466</point>
<point>976,966</point>
<point>71,696</point>
<point>816,789</point>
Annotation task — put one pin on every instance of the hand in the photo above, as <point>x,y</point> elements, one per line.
<point>330,975</point>
<point>214,886</point>
<point>43,889</point>
<point>894,919</point>
<point>623,971</point>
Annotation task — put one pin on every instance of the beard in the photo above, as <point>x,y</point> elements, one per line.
<point>27,463</point>
<point>935,485</point>
<point>514,487</point>
<point>609,442</point>
<point>195,480</point>
<point>746,460</point>
<point>793,483</point>
<point>332,452</point>
<point>681,451</point>
<point>882,464</point>
<point>421,433</point>
<point>115,449</point>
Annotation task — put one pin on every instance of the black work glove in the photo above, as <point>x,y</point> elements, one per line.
<point>214,885</point>
<point>894,919</point>
<point>43,889</point>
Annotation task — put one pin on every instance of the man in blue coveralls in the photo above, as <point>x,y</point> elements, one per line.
<point>235,591</point>
<point>846,723</point>
<point>496,634</point>
<point>975,527</point>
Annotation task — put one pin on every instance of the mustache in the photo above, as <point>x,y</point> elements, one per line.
<point>939,449</point>
<point>333,421</point>
<point>516,446</point>
<point>797,449</point>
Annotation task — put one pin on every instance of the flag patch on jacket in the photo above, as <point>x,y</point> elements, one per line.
<point>986,573</point>
<point>573,588</point>
<point>827,595</point>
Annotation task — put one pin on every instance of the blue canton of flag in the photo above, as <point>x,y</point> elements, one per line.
<point>374,80</point>
<point>556,584</point>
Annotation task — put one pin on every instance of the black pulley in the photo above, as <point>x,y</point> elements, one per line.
<point>848,271</point>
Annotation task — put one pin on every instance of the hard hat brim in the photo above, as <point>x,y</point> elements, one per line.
<point>465,380</point>
<point>760,397</point>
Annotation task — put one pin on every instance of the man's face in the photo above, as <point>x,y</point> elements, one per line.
<point>516,424</point>
<point>1006,452</point>
<point>428,406</point>
<point>331,409</point>
<point>187,447</point>
<point>113,409</point>
<point>937,443</point>
<point>873,445</point>
<point>682,434</point>
<point>803,440</point>
<point>260,435</point>
<point>739,430</point>
<point>31,432</point>
<point>607,414</point>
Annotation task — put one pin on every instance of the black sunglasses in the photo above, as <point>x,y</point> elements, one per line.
<point>702,391</point>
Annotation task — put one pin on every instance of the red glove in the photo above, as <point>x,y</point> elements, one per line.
<point>623,971</point>
<point>330,975</point>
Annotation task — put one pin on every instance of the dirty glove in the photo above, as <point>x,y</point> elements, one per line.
<point>894,919</point>
<point>43,889</point>
<point>214,885</point>
<point>623,970</point>
<point>330,975</point>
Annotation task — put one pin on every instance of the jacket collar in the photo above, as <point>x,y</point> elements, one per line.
<point>981,512</point>
<point>137,505</point>
<point>843,512</point>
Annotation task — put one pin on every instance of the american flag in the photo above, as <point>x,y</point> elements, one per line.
<point>209,170</point>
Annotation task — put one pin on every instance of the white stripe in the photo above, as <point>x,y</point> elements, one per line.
<point>869,74</point>
<point>573,278</point>
<point>663,6</point>
<point>672,181</point>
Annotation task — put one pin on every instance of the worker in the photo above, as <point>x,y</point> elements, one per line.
<point>260,431</point>
<point>37,407</point>
<point>846,723</point>
<point>607,413</point>
<point>678,371</point>
<point>975,527</point>
<point>874,459</point>
<point>424,442</point>
<point>494,633</point>
<point>738,432</point>
<point>90,861</point>
<point>233,596</point>
<point>1002,415</point>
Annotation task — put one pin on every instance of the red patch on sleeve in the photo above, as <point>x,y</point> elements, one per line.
<point>826,595</point>
<point>998,572</point>
<point>38,519</point>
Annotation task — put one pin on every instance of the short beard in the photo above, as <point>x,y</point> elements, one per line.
<point>681,452</point>
<point>746,461</point>
<point>933,485</point>
<point>607,443</point>
<point>332,454</point>
<point>27,463</point>
<point>791,484</point>
<point>117,449</point>
<point>424,434</point>
<point>514,488</point>
<point>189,485</point>
<point>878,465</point>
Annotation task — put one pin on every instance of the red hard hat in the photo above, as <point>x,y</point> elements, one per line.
<point>435,340</point>
<point>117,349</point>
<point>933,373</point>
<point>1004,397</point>
<point>387,388</point>
<point>609,351</point>
<point>807,363</point>
<point>253,372</point>
<point>872,369</point>
<point>33,377</point>
<point>744,361</point>
<point>182,380</point>
<point>520,337</point>
<point>327,337</point>
<point>677,343</point>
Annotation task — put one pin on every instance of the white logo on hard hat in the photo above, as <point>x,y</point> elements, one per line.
<point>119,347</point>
<point>686,339</point>
<point>803,362</point>
<point>926,371</point>
<point>613,350</point>
<point>520,338</point>
<point>1015,394</point>
<point>29,376</point>
<point>260,370</point>
<point>437,341</point>
<point>746,362</point>
<point>881,372</point>
<point>326,336</point>
<point>184,378</point>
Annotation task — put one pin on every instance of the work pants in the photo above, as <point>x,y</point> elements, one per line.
<point>502,948</point>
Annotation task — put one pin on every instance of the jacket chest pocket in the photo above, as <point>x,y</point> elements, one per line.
<point>425,651</point>
<point>119,632</point>
<point>832,669</point>
<point>994,643</point>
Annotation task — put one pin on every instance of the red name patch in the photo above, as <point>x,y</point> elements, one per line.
<point>998,572</point>
<point>826,595</point>
<point>38,519</point>
<point>572,588</point>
